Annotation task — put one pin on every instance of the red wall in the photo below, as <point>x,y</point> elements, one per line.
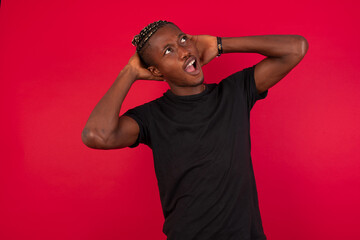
<point>58,58</point>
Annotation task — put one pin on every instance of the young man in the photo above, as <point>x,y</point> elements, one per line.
<point>199,133</point>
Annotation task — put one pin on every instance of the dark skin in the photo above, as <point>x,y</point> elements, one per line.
<point>106,130</point>
<point>169,61</point>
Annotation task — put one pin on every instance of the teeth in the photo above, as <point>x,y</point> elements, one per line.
<point>191,63</point>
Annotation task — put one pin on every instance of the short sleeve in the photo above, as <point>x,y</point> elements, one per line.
<point>141,115</point>
<point>245,80</point>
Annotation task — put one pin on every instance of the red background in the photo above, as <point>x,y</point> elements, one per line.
<point>58,58</point>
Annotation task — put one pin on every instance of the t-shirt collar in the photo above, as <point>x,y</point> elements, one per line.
<point>175,97</point>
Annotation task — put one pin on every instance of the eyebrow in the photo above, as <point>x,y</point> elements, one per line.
<point>169,44</point>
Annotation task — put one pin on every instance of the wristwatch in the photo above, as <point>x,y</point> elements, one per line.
<point>219,46</point>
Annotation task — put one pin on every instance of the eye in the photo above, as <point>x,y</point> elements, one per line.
<point>167,50</point>
<point>184,37</point>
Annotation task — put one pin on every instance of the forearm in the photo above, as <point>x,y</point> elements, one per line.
<point>267,45</point>
<point>103,120</point>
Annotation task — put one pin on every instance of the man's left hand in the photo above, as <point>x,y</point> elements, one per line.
<point>206,46</point>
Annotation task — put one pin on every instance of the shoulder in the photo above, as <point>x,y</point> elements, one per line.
<point>239,76</point>
<point>145,110</point>
<point>243,72</point>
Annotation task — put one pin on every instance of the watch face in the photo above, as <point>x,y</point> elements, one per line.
<point>219,46</point>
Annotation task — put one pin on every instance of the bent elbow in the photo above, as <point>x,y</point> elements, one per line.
<point>90,139</point>
<point>302,46</point>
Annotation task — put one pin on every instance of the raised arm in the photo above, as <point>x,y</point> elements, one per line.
<point>104,128</point>
<point>283,53</point>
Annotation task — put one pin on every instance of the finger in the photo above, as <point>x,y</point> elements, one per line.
<point>192,37</point>
<point>156,78</point>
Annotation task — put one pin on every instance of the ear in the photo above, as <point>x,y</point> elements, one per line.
<point>154,71</point>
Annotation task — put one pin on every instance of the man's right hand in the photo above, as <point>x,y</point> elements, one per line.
<point>141,71</point>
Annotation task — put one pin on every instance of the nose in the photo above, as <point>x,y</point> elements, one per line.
<point>184,52</point>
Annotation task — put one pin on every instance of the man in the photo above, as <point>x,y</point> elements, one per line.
<point>199,133</point>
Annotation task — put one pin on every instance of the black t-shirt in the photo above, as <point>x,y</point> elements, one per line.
<point>201,149</point>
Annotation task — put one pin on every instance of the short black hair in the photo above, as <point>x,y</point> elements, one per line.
<point>140,40</point>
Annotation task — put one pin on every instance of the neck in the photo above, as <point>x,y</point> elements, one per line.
<point>184,91</point>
